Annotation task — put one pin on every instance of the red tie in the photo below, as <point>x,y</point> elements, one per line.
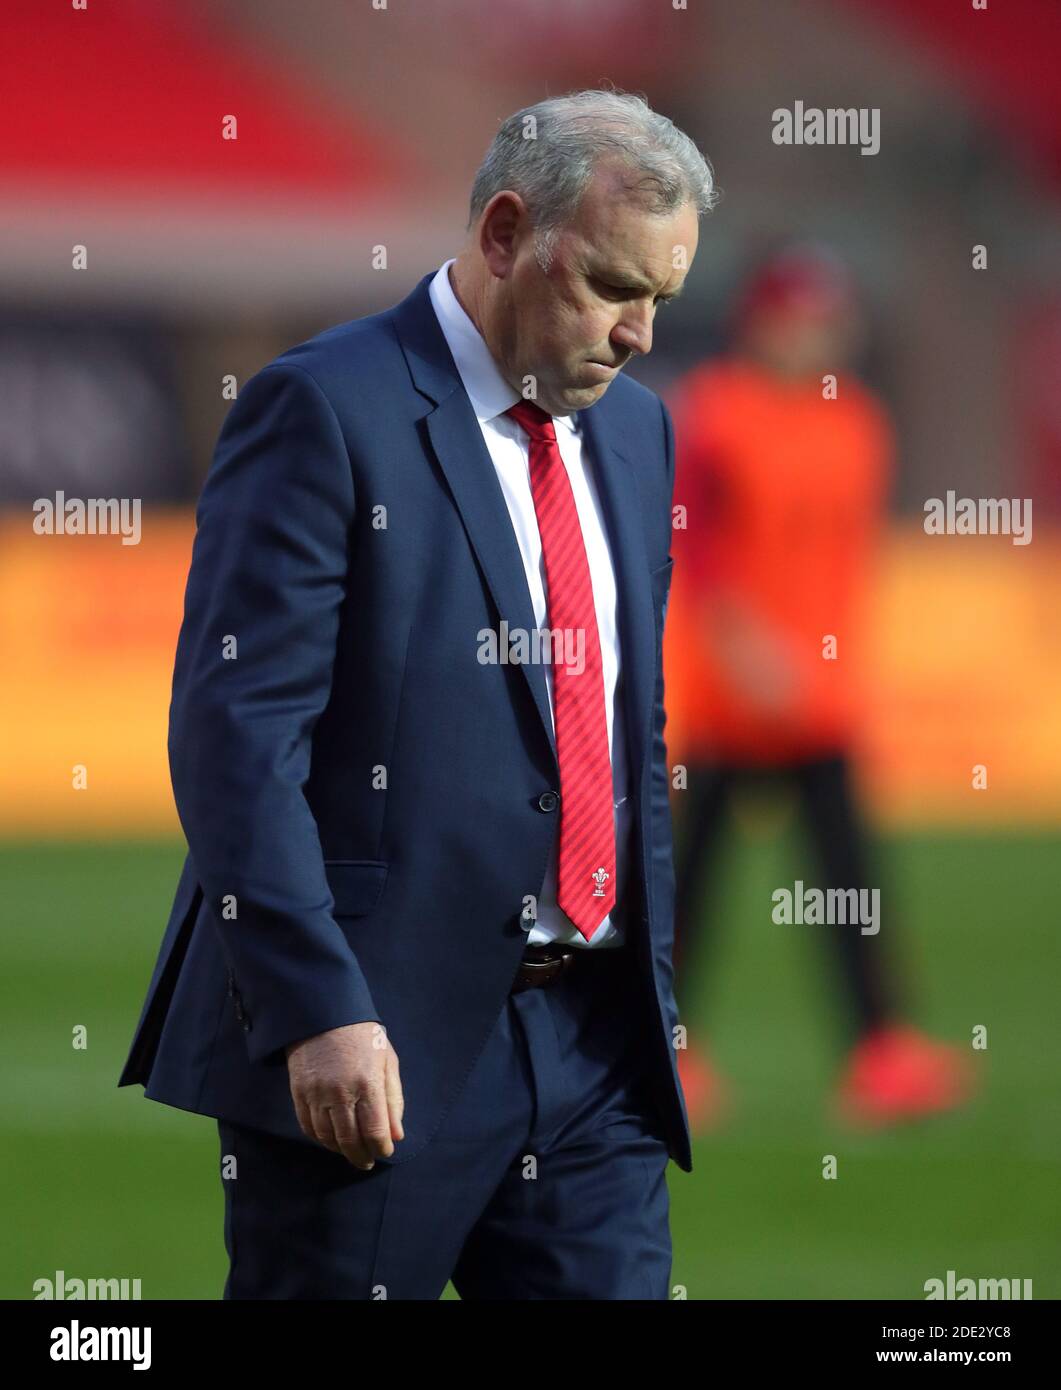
<point>586,885</point>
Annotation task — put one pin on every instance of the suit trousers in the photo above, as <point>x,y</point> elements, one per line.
<point>545,1180</point>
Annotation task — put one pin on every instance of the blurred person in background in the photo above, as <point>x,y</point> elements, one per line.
<point>784,476</point>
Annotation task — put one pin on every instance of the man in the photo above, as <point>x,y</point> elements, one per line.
<point>418,965</point>
<point>785,485</point>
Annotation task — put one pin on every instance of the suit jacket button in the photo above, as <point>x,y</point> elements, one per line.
<point>548,801</point>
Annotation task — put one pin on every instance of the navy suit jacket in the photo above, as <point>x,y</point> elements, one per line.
<point>361,796</point>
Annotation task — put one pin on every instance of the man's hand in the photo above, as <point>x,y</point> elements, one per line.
<point>348,1092</point>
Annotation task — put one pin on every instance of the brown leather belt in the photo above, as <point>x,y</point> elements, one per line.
<point>542,966</point>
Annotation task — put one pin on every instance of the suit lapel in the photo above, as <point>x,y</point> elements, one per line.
<point>469,469</point>
<point>616,476</point>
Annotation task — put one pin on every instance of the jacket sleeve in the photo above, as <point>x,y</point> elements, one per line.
<point>253,673</point>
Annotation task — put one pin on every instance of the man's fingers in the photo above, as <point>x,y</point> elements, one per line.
<point>302,1114</point>
<point>373,1122</point>
<point>392,1083</point>
<point>322,1128</point>
<point>348,1135</point>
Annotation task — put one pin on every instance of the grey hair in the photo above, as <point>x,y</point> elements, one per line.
<point>547,154</point>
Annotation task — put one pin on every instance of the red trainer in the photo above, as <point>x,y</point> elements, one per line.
<point>897,1073</point>
<point>706,1094</point>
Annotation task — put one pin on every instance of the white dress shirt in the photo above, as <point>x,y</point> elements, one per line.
<point>509,449</point>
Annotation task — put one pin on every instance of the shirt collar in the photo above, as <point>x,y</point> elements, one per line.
<point>488,391</point>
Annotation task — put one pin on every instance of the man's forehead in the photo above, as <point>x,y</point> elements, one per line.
<point>638,271</point>
<point>645,263</point>
<point>626,237</point>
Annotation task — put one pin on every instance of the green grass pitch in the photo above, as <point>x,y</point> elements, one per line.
<point>102,1183</point>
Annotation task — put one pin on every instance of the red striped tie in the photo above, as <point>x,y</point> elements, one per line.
<point>586,884</point>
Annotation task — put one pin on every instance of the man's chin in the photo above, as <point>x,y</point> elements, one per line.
<point>579,397</point>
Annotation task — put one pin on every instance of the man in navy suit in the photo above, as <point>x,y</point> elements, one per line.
<point>416,742</point>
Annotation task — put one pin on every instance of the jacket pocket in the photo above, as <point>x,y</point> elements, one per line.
<point>356,884</point>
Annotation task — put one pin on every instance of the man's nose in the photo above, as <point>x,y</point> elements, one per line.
<point>633,332</point>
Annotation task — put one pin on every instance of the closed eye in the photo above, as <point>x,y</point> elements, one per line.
<point>611,291</point>
<point>617,291</point>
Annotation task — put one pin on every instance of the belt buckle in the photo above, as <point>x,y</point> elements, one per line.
<point>534,974</point>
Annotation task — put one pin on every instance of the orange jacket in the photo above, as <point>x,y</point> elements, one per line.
<point>784,491</point>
